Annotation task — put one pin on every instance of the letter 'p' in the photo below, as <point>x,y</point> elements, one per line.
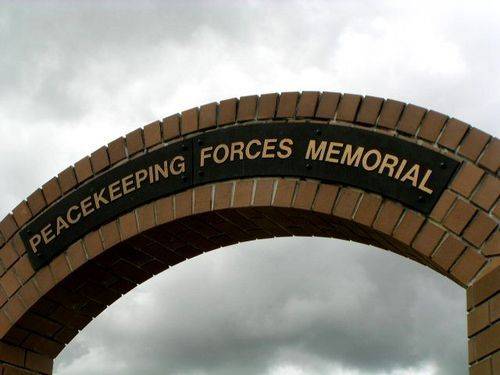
<point>35,241</point>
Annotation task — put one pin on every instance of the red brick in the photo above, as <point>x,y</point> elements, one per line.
<point>468,265</point>
<point>14,308</point>
<point>459,216</point>
<point>5,325</point>
<point>171,127</point>
<point>164,210</point>
<point>243,193</point>
<point>93,244</point>
<point>477,319</point>
<point>99,159</point>
<point>8,255</point>
<point>432,125</point>
<point>492,247</point>
<point>496,210</point>
<point>390,113</point>
<point>346,202</point>
<point>21,213</point>
<point>481,368</point>
<point>387,217</point>
<point>448,252</point>
<point>152,134</point>
<point>488,341</point>
<point>36,202</point>
<point>494,305</point>
<point>59,267</point>
<point>83,169</point>
<point>267,106</point>
<point>408,227</point>
<point>368,208</point>
<point>428,238</point>
<point>134,141</point>
<point>443,205</point>
<point>10,283</point>
<point>325,198</point>
<point>411,118</point>
<point>263,192</point>
<point>467,179</point>
<point>348,107</point>
<point>8,226</point>
<point>222,195</point>
<point>202,199</point>
<point>189,121</point>
<point>67,179</point>
<point>51,190</point>
<point>247,108</point>
<point>307,104</point>
<point>110,234</point>
<point>183,203</point>
<point>284,192</point>
<point>12,354</point>
<point>306,191</point>
<point>208,115</point>
<point>76,255</point>
<point>29,294</point>
<point>44,280</point>
<point>370,108</point>
<point>495,363</point>
<point>479,229</point>
<point>453,133</point>
<point>24,269</point>
<point>128,225</point>
<point>227,111</point>
<point>18,244</point>
<point>38,362</point>
<point>146,217</point>
<point>491,157</point>
<point>287,104</point>
<point>473,143</point>
<point>327,105</point>
<point>116,150</point>
<point>485,287</point>
<point>487,193</point>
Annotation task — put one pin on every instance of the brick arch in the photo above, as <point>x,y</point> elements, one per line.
<point>42,310</point>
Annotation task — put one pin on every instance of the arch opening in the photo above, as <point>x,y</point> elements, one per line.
<point>234,309</point>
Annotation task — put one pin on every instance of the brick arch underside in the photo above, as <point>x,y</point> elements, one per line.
<point>42,311</point>
<point>83,289</point>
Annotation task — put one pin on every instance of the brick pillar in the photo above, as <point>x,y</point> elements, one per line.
<point>483,325</point>
<point>17,361</point>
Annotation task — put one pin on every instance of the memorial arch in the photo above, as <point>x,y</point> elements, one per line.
<point>380,172</point>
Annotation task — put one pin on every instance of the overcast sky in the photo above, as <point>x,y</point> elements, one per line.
<point>76,75</point>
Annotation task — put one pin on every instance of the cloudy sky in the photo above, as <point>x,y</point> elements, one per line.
<point>75,75</point>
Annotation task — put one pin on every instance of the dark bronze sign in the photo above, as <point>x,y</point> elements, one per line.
<point>394,168</point>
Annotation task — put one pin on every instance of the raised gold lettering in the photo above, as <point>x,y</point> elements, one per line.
<point>366,157</point>
<point>128,184</point>
<point>86,206</point>
<point>314,152</point>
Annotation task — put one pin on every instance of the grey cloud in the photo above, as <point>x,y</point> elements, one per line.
<point>311,303</point>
